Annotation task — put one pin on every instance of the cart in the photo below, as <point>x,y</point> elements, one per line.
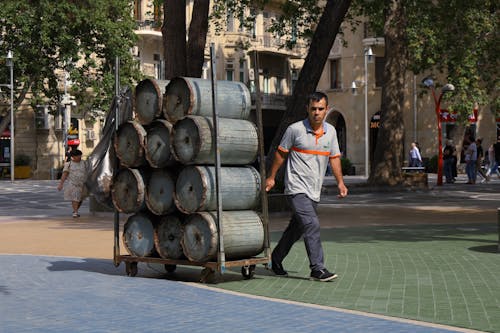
<point>213,270</point>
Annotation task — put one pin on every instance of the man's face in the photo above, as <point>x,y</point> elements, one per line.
<point>316,111</point>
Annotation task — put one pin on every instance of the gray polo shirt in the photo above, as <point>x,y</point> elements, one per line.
<point>308,157</point>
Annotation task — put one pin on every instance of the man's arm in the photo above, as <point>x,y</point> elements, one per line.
<point>279,158</point>
<point>337,172</point>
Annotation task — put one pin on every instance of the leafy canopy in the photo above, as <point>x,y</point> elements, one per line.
<point>83,37</point>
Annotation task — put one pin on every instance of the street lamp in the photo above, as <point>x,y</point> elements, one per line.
<point>368,55</point>
<point>10,63</point>
<point>429,83</point>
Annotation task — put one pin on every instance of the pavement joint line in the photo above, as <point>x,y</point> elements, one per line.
<point>333,308</point>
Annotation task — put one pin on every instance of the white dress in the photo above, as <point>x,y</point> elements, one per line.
<point>75,188</point>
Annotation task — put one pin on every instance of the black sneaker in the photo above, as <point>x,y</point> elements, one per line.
<point>322,275</point>
<point>278,269</point>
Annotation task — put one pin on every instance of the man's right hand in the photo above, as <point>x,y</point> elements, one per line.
<point>269,184</point>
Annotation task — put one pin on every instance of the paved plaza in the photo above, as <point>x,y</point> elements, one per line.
<point>408,261</point>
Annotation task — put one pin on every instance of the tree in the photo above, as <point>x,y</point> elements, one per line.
<point>454,38</point>
<point>184,58</point>
<point>81,37</point>
<point>298,21</point>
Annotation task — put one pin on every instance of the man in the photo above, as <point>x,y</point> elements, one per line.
<point>496,150</point>
<point>448,153</point>
<point>470,160</point>
<point>309,144</point>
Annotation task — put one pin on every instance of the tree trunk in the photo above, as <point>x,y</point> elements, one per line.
<point>388,157</point>
<point>197,38</point>
<point>174,38</point>
<point>321,44</point>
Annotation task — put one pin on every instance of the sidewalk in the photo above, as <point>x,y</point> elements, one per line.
<point>426,255</point>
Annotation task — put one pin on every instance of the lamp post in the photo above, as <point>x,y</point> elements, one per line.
<point>368,54</point>
<point>429,83</point>
<point>10,63</point>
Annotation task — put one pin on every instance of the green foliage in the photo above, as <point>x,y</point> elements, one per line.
<point>431,165</point>
<point>82,37</point>
<point>346,166</point>
<point>22,160</point>
<point>458,38</point>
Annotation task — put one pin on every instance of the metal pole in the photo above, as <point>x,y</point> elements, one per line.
<point>415,108</point>
<point>262,162</point>
<point>116,246</point>
<point>440,142</point>
<point>12,155</point>
<point>221,257</point>
<point>498,221</point>
<point>367,154</point>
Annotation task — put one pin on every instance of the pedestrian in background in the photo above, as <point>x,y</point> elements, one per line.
<point>493,164</point>
<point>75,171</point>
<point>496,148</point>
<point>310,145</point>
<point>415,158</point>
<point>448,158</point>
<point>480,159</point>
<point>470,160</point>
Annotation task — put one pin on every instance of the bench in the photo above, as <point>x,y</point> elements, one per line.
<point>413,169</point>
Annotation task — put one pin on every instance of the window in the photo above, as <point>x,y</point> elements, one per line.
<point>266,84</point>
<point>229,74</point>
<point>335,74</point>
<point>230,22</point>
<point>295,77</point>
<point>280,85</point>
<point>242,71</point>
<point>379,71</point>
<point>137,10</point>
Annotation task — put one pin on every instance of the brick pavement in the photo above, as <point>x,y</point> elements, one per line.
<point>93,287</point>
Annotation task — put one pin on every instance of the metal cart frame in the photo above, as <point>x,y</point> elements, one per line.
<point>213,270</point>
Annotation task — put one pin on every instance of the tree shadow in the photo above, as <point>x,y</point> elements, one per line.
<point>486,248</point>
<point>4,290</point>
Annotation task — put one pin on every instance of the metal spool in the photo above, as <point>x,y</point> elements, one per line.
<point>148,100</point>
<point>160,192</point>
<point>127,191</point>
<point>138,235</point>
<point>193,144</point>
<point>157,146</point>
<point>192,96</point>
<point>195,188</point>
<point>243,235</point>
<point>168,235</point>
<point>129,144</point>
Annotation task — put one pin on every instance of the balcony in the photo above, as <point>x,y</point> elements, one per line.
<point>271,101</point>
<point>271,44</point>
<point>148,28</point>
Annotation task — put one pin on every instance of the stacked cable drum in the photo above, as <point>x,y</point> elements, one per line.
<point>144,184</point>
<point>188,104</point>
<point>167,177</point>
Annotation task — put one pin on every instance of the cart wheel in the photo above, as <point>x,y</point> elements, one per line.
<point>248,272</point>
<point>170,268</point>
<point>131,268</point>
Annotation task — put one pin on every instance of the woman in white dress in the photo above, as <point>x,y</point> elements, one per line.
<point>75,171</point>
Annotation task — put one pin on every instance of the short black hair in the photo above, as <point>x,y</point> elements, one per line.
<point>76,152</point>
<point>316,97</point>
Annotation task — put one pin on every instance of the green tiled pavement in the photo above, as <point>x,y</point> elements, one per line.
<point>448,274</point>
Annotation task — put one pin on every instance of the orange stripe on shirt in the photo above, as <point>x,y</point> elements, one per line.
<point>314,152</point>
<point>334,156</point>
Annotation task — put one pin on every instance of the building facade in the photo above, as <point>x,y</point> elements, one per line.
<point>40,135</point>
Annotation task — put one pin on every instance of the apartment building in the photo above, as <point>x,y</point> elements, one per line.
<point>355,116</point>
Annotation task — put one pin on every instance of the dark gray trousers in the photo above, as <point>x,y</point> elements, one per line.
<point>304,223</point>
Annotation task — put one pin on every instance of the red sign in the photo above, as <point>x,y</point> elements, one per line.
<point>6,133</point>
<point>451,117</point>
